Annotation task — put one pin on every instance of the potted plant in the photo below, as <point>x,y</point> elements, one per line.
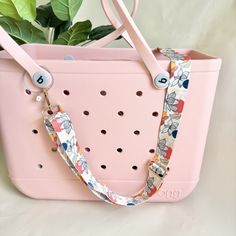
<point>51,23</point>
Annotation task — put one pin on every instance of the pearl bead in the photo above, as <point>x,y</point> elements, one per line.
<point>38,98</point>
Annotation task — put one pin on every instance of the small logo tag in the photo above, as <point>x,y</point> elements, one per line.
<point>162,81</point>
<point>41,80</point>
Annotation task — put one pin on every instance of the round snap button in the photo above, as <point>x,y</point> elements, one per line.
<point>162,81</point>
<point>41,80</point>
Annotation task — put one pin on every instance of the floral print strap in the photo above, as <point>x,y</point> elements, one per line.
<point>60,129</point>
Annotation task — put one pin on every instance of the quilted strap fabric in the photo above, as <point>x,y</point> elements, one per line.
<point>60,129</point>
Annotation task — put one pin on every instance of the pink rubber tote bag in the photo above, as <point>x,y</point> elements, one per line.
<point>131,124</point>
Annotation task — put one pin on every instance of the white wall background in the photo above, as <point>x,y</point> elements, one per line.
<point>206,25</point>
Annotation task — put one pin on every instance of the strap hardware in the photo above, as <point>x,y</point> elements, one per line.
<point>41,79</point>
<point>50,109</point>
<point>162,81</point>
<point>46,113</point>
<point>45,92</point>
<point>158,168</point>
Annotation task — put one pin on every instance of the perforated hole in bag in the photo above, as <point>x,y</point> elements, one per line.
<point>119,150</point>
<point>139,93</point>
<point>103,167</point>
<point>134,167</point>
<point>35,131</point>
<point>103,93</point>
<point>137,132</point>
<point>152,150</point>
<point>87,149</point>
<point>50,112</point>
<point>66,92</point>
<point>120,113</point>
<point>86,113</point>
<point>40,166</point>
<point>155,114</point>
<point>104,131</point>
<point>28,91</point>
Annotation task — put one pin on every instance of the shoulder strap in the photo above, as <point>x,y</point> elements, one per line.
<point>61,131</point>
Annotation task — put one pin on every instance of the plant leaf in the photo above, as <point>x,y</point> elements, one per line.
<point>66,9</point>
<point>46,17</point>
<point>78,33</point>
<point>23,9</point>
<point>101,31</point>
<point>62,28</point>
<point>26,9</point>
<point>22,31</point>
<point>8,9</point>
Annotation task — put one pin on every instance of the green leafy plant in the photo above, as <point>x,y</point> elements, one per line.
<point>50,23</point>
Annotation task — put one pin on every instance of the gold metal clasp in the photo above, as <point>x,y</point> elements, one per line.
<point>51,109</point>
<point>45,92</point>
<point>158,168</point>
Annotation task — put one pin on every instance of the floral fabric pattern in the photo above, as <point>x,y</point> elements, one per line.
<point>60,129</point>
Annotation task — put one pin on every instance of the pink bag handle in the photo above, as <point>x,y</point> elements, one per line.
<point>40,77</point>
<point>159,76</point>
<point>120,29</point>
